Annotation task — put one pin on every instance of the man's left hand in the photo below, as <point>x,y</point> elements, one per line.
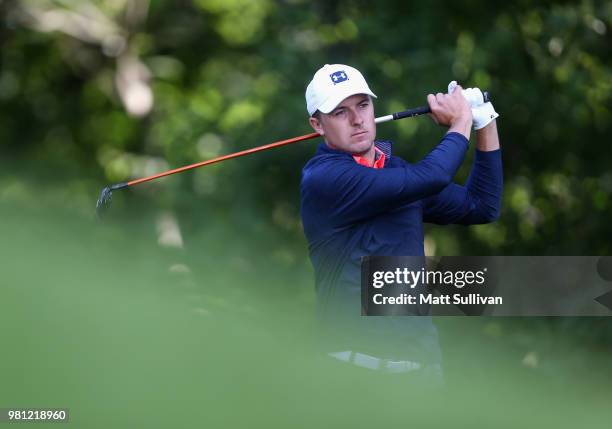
<point>482,113</point>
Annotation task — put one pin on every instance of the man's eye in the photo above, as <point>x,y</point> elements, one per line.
<point>364,105</point>
<point>338,112</point>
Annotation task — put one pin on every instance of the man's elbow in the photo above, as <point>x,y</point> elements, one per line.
<point>491,214</point>
<point>440,181</point>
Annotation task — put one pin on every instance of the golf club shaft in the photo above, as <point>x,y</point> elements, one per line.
<point>225,157</point>
<point>395,116</point>
<point>399,115</point>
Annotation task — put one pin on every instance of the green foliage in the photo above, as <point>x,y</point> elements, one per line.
<point>98,318</point>
<point>226,76</point>
<point>111,90</point>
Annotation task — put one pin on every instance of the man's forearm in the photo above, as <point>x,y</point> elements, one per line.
<point>487,139</point>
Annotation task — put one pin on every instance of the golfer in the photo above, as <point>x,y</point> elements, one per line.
<point>358,199</point>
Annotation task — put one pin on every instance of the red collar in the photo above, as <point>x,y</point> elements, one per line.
<point>379,159</point>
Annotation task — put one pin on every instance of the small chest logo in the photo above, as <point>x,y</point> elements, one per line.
<point>338,76</point>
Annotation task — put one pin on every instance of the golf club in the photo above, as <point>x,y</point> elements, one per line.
<point>106,194</point>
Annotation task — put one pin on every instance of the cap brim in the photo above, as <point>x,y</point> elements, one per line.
<point>332,102</point>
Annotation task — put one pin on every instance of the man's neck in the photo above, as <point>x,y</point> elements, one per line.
<point>370,155</point>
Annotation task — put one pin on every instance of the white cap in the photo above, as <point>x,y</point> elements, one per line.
<point>333,83</point>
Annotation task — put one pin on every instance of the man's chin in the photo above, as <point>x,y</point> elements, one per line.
<point>362,148</point>
<point>361,151</point>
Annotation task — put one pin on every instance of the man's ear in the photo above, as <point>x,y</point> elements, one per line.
<point>316,125</point>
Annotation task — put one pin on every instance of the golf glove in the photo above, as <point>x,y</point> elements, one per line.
<point>482,113</point>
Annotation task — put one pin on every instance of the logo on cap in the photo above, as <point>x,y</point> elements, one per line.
<point>339,76</point>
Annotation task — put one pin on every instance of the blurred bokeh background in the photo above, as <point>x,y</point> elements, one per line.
<point>195,292</point>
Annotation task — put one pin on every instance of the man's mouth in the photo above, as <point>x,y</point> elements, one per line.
<point>359,133</point>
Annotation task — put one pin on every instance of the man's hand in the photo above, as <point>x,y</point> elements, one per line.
<point>451,110</point>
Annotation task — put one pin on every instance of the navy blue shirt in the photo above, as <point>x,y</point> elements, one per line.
<point>350,211</point>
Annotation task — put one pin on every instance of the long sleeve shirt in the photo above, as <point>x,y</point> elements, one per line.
<point>350,211</point>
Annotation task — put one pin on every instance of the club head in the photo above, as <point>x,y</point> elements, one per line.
<point>106,195</point>
<point>104,200</point>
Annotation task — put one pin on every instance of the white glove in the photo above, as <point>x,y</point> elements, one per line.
<point>482,113</point>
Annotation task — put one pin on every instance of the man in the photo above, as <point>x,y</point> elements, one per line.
<point>359,200</point>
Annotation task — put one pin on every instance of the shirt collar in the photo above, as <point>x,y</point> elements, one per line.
<point>385,146</point>
<point>379,159</point>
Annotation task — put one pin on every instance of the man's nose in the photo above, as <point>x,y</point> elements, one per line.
<point>356,118</point>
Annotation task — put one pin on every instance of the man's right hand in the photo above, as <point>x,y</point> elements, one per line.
<point>451,110</point>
